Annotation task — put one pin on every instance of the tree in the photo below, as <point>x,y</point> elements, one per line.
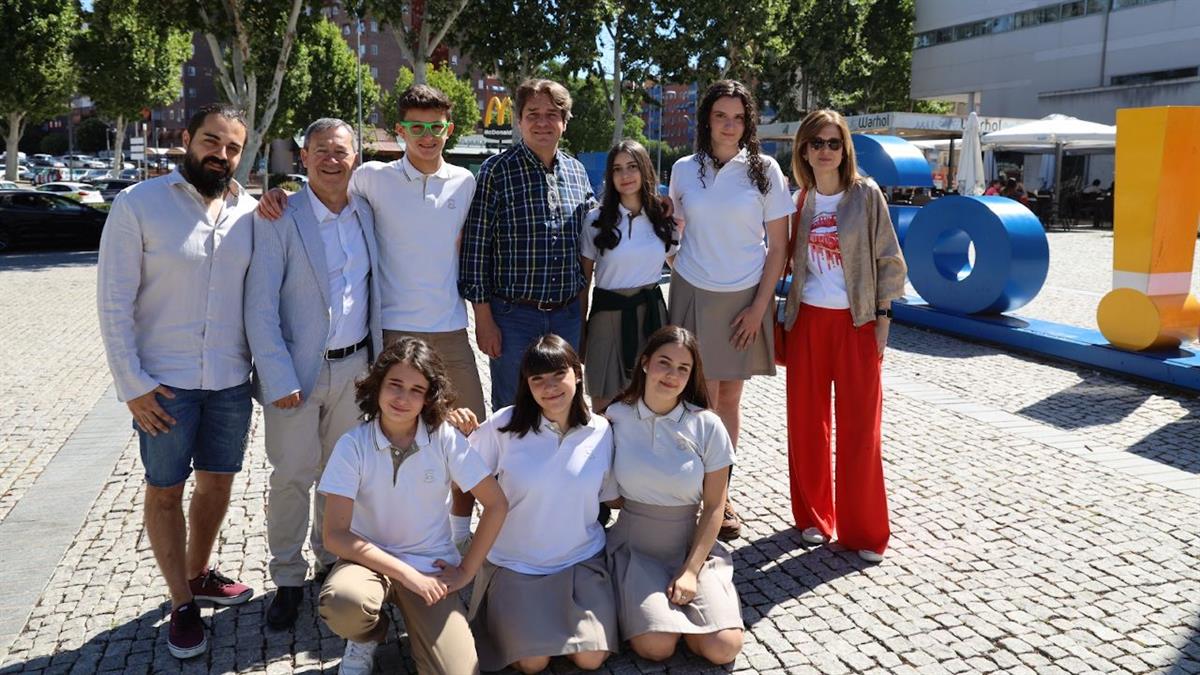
<point>464,111</point>
<point>418,26</point>
<point>515,40</point>
<point>333,85</point>
<point>130,59</point>
<point>91,135</point>
<point>252,45</point>
<point>38,75</point>
<point>592,125</point>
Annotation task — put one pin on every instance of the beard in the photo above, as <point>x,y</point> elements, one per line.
<point>208,180</point>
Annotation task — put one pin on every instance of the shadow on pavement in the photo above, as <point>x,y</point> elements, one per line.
<point>1095,401</point>
<point>1175,444</point>
<point>36,262</point>
<point>1188,662</point>
<point>768,575</point>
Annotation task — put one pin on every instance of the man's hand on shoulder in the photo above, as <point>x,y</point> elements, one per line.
<point>272,205</point>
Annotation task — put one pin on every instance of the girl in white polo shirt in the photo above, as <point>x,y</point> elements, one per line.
<point>625,241</point>
<point>387,489</point>
<point>671,461</point>
<point>733,203</point>
<point>545,590</point>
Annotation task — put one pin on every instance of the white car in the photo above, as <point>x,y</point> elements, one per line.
<point>84,193</point>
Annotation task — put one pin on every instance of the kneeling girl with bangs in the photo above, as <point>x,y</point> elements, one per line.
<point>545,590</point>
<point>387,517</point>
<point>671,461</point>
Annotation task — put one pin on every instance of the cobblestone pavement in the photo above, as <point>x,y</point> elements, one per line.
<point>1014,548</point>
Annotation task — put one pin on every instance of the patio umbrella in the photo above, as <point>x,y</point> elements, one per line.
<point>970,172</point>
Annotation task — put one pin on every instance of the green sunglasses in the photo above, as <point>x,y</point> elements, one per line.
<point>419,129</point>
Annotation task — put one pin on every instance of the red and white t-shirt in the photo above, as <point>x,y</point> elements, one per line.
<point>825,283</point>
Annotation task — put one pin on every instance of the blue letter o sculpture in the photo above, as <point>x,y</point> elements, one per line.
<point>1011,254</point>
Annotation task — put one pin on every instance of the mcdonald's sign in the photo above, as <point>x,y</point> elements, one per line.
<point>497,119</point>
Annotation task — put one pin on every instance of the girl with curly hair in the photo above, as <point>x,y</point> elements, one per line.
<point>387,516</point>
<point>733,204</point>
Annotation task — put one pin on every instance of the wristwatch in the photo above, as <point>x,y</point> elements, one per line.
<point>884,312</point>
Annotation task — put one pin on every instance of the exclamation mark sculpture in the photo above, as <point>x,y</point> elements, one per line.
<point>1155,217</point>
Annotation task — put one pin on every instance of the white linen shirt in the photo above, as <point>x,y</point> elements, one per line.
<point>408,518</point>
<point>169,288</point>
<point>637,260</point>
<point>662,459</point>
<point>723,247</point>
<point>418,221</point>
<point>347,265</point>
<point>554,488</point>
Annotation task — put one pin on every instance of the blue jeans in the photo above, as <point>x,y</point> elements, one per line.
<point>520,326</point>
<point>210,433</point>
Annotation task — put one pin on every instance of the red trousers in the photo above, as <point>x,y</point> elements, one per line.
<point>824,348</point>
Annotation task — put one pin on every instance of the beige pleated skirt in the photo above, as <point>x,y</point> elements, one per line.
<point>516,616</point>
<point>604,367</point>
<point>710,315</point>
<point>646,549</point>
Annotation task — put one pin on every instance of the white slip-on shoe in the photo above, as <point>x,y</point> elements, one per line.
<point>870,556</point>
<point>812,535</point>
<point>358,659</point>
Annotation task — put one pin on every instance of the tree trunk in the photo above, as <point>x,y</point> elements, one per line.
<point>12,144</point>
<point>618,108</point>
<point>118,156</point>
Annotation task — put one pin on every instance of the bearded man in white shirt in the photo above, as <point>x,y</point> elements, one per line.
<point>312,318</point>
<point>172,266</point>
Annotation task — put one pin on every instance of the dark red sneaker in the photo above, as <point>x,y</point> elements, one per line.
<point>185,637</point>
<point>214,587</point>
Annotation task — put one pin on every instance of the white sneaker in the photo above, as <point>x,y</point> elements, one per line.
<point>358,659</point>
<point>870,556</point>
<point>814,536</point>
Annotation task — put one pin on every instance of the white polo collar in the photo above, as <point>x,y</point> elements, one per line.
<point>421,438</point>
<point>644,412</point>
<point>406,168</point>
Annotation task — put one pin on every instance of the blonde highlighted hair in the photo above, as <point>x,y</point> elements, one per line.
<point>811,128</point>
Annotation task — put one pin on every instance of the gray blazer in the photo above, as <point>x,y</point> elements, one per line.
<point>287,298</point>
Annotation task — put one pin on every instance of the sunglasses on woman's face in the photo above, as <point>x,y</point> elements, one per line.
<point>419,129</point>
<point>818,144</point>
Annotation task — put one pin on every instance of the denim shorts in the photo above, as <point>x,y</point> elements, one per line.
<point>210,433</point>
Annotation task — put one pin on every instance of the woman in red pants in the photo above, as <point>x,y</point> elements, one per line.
<point>848,269</point>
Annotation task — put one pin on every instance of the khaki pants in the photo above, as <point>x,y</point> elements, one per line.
<point>455,349</point>
<point>351,604</point>
<point>299,442</point>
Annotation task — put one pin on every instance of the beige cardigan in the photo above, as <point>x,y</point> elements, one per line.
<point>871,258</point>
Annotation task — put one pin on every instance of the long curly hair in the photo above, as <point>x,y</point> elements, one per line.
<point>425,360</point>
<point>609,221</point>
<point>749,139</point>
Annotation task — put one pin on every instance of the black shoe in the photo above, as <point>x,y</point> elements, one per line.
<point>285,607</point>
<point>322,573</point>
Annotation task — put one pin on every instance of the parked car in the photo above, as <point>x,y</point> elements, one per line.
<point>8,185</point>
<point>29,217</point>
<point>49,174</point>
<point>109,187</point>
<point>84,193</point>
<point>47,160</point>
<point>24,173</point>
<point>130,174</point>
<point>299,178</point>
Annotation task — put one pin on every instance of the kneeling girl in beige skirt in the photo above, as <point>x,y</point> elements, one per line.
<point>671,460</point>
<point>625,241</point>
<point>387,490</point>
<point>545,590</point>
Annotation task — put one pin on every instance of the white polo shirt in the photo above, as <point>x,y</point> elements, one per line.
<point>662,459</point>
<point>410,517</point>
<point>554,488</point>
<point>724,236</point>
<point>637,260</point>
<point>418,220</point>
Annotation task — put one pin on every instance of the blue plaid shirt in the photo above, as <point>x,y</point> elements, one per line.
<point>521,238</point>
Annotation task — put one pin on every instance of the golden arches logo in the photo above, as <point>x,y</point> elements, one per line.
<point>498,112</point>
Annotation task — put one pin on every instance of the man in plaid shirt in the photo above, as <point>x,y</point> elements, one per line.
<point>519,261</point>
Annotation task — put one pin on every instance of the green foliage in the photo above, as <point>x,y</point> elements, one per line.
<point>333,91</point>
<point>418,26</point>
<point>464,111</point>
<point>591,125</point>
<point>91,136</point>
<point>130,58</point>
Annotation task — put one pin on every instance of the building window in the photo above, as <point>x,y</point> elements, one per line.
<point>454,59</point>
<point>191,92</point>
<point>346,29</point>
<point>191,71</point>
<point>374,26</point>
<point>375,72</point>
<point>333,10</point>
<point>374,50</point>
<point>1154,76</point>
<point>375,117</point>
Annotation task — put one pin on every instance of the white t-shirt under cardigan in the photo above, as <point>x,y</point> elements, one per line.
<point>825,279</point>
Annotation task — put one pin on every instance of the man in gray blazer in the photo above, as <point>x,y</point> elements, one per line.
<point>312,320</point>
